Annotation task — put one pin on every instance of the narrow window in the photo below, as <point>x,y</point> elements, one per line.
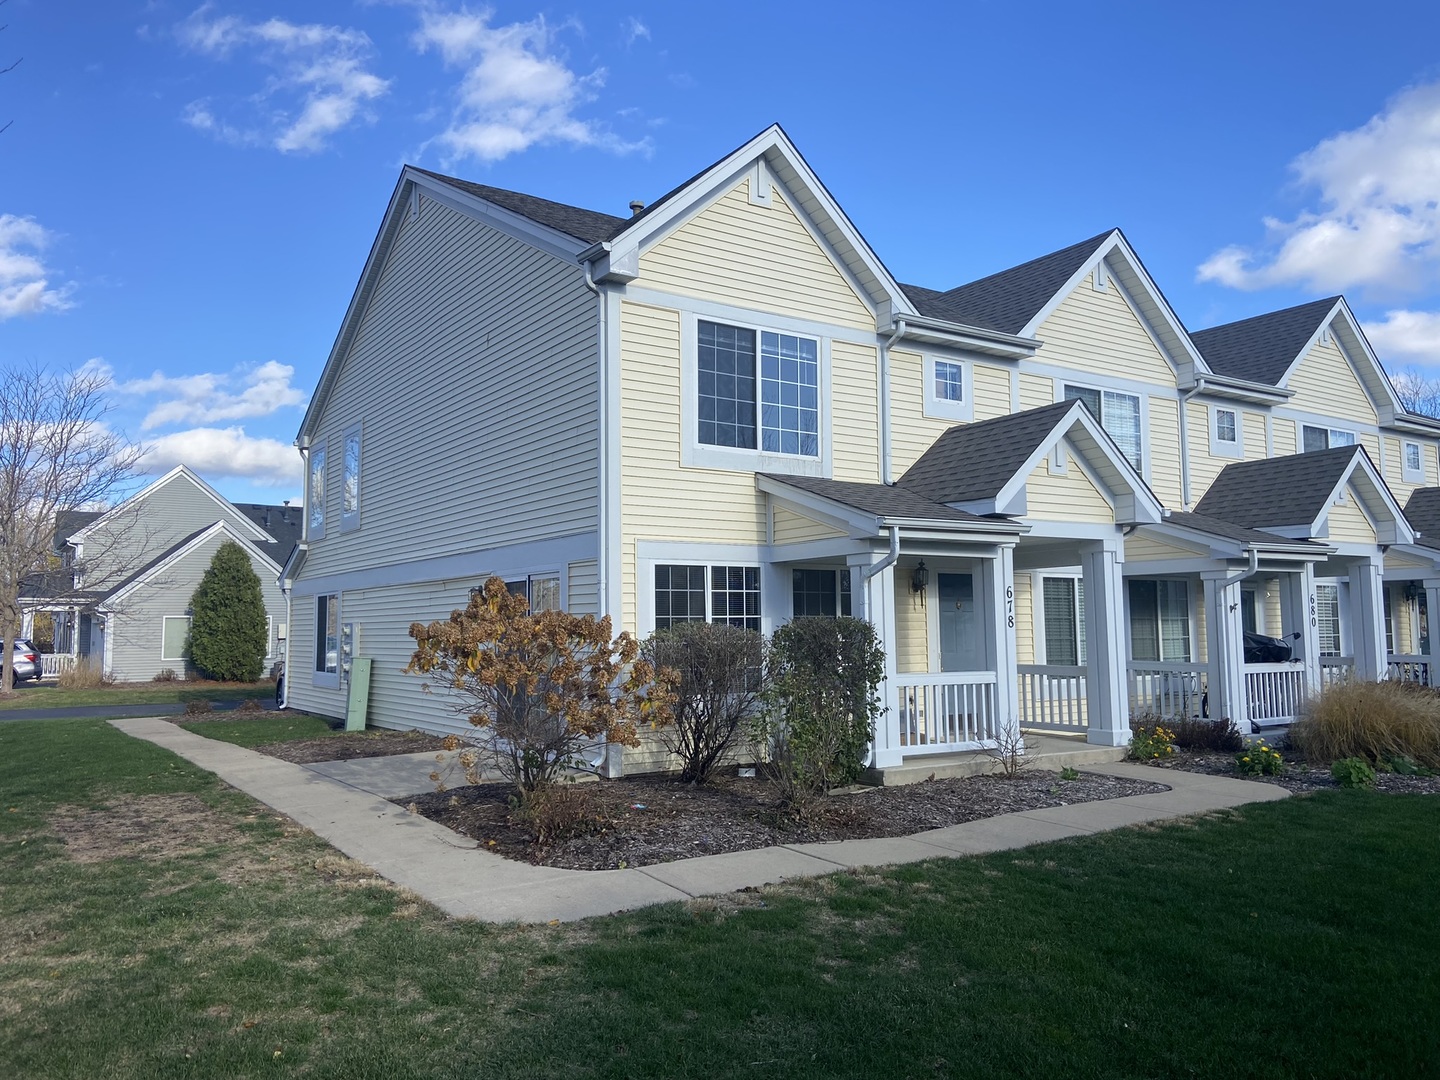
<point>350,490</point>
<point>327,634</point>
<point>789,395</point>
<point>1413,470</point>
<point>735,596</point>
<point>1327,618</point>
<point>316,494</point>
<point>1064,621</point>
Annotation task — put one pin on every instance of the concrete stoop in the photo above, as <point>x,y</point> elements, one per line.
<point>1050,752</point>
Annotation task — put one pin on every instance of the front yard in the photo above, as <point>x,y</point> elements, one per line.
<point>49,696</point>
<point>155,924</point>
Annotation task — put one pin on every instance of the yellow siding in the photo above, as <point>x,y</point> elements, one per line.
<point>912,623</point>
<point>1324,383</point>
<point>1204,467</point>
<point>1145,549</point>
<point>1349,523</point>
<point>1372,447</point>
<point>992,391</point>
<point>758,257</point>
<point>794,529</point>
<point>912,432</point>
<point>855,427</point>
<point>1197,604</point>
<point>1024,619</point>
<point>1098,332</point>
<point>1165,450</point>
<point>1254,426</point>
<point>1267,596</point>
<point>1286,437</point>
<point>1406,623</point>
<point>1035,391</point>
<point>660,500</point>
<point>1071,497</point>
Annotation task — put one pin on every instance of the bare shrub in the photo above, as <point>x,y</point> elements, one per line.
<point>197,706</point>
<point>1012,752</point>
<point>720,672</point>
<point>1377,721</point>
<point>166,675</point>
<point>555,813</point>
<point>85,674</point>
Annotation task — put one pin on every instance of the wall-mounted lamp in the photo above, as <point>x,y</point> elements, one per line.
<point>1412,591</point>
<point>919,577</point>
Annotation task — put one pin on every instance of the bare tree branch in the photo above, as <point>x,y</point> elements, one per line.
<point>1418,392</point>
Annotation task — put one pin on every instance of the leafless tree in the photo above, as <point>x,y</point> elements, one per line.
<point>7,70</point>
<point>1418,392</point>
<point>57,456</point>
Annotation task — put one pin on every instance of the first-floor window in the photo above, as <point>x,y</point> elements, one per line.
<point>327,634</point>
<point>1119,415</point>
<point>1248,619</point>
<point>1389,624</point>
<point>718,594</point>
<point>542,590</point>
<point>1064,600</point>
<point>1319,438</point>
<point>1327,618</point>
<point>1160,620</point>
<point>174,637</point>
<point>820,593</point>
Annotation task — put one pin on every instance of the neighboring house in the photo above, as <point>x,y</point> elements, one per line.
<point>1057,506</point>
<point>122,594</point>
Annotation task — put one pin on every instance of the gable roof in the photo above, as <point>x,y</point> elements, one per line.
<point>1278,492</point>
<point>283,523</point>
<point>885,501</point>
<point>1225,530</point>
<point>179,550</point>
<point>1009,300</point>
<point>1262,347</point>
<point>1423,512</point>
<point>974,461</point>
<point>178,473</point>
<point>587,225</point>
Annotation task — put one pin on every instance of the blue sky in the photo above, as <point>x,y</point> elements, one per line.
<point>188,192</point>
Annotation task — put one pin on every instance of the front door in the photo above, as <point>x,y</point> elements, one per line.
<point>960,641</point>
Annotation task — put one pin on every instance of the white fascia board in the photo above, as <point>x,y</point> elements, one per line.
<point>1193,540</point>
<point>178,472</point>
<point>562,245</point>
<point>929,331</point>
<point>1352,342</point>
<point>1376,502</point>
<point>858,523</point>
<point>1320,328</point>
<point>294,563</point>
<point>959,529</point>
<point>1414,551</point>
<point>774,148</point>
<point>1252,393</point>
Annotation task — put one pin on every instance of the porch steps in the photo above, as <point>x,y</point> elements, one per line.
<point>1052,752</point>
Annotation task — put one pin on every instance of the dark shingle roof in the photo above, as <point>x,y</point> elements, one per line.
<point>1227,530</point>
<point>882,500</point>
<point>1261,348</point>
<point>1423,512</point>
<point>281,522</point>
<point>975,461</point>
<point>69,522</point>
<point>1006,301</point>
<point>1275,492</point>
<point>590,226</point>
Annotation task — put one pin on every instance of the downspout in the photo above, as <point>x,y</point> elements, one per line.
<point>1243,574</point>
<point>289,622</point>
<point>602,431</point>
<point>1185,445</point>
<point>886,464</point>
<point>889,560</point>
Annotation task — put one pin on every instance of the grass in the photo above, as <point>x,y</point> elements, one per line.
<point>255,731</point>
<point>1285,939</point>
<point>48,696</point>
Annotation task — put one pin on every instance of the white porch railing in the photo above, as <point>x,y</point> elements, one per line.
<point>1053,697</point>
<point>52,665</point>
<point>1410,668</point>
<point>1167,689</point>
<point>1274,692</point>
<point>946,711</point>
<point>1335,669</point>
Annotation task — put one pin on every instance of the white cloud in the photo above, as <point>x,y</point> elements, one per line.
<point>225,452</point>
<point>634,29</point>
<point>319,82</point>
<point>1377,223</point>
<point>25,287</point>
<point>210,397</point>
<point>517,89</point>
<point>1406,336</point>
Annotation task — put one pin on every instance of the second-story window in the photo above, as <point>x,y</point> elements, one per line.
<point>1319,438</point>
<point>350,489</point>
<point>758,390</point>
<point>1412,464</point>
<point>315,496</point>
<point>1224,432</point>
<point>1119,415</point>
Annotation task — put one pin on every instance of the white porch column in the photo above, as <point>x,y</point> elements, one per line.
<point>1367,618</point>
<point>1107,706</point>
<point>873,599</point>
<point>27,622</point>
<point>999,583</point>
<point>1432,627</point>
<point>1225,639</point>
<point>1297,605</point>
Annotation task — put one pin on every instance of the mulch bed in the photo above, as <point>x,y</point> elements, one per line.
<point>349,745</point>
<point>642,820</point>
<point>1299,775</point>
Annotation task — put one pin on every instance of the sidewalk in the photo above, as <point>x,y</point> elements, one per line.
<point>454,874</point>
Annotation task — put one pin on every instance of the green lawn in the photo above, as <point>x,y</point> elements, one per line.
<point>255,731</point>
<point>1287,939</point>
<point>49,696</point>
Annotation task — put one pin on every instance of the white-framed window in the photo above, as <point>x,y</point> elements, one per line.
<point>1225,432</point>
<point>1319,438</point>
<point>542,590</point>
<point>327,640</point>
<point>350,485</point>
<point>707,593</point>
<point>174,637</point>
<point>1064,611</point>
<point>1119,415</point>
<point>269,637</point>
<point>315,493</point>
<point>1160,620</point>
<point>1327,619</point>
<point>816,593</point>
<point>947,389</point>
<point>1412,463</point>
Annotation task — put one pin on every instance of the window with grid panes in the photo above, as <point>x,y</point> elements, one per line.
<point>777,412</point>
<point>1119,415</point>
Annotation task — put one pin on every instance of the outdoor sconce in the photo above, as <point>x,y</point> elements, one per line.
<point>919,577</point>
<point>1412,591</point>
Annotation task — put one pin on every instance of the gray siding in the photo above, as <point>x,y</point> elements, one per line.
<point>584,598</point>
<point>472,375</point>
<point>136,629</point>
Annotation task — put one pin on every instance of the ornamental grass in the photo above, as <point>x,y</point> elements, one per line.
<point>1378,721</point>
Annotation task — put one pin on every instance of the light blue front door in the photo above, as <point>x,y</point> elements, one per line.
<point>961,647</point>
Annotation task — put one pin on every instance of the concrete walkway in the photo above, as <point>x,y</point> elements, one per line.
<point>457,876</point>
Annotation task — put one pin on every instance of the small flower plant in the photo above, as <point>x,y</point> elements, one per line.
<point>1151,744</point>
<point>1260,759</point>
